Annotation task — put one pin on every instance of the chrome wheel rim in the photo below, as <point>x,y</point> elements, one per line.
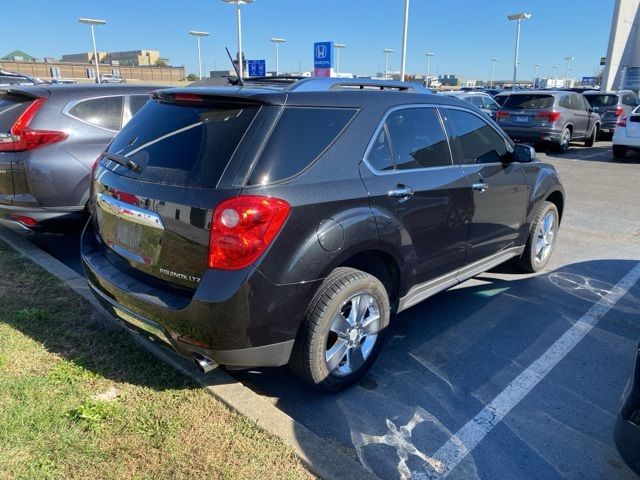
<point>352,335</point>
<point>566,138</point>
<point>545,237</point>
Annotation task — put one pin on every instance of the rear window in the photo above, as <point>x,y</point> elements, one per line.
<point>11,107</point>
<point>182,144</point>
<point>299,137</point>
<point>529,102</point>
<point>602,100</point>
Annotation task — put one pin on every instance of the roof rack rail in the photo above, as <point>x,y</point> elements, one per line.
<point>280,80</point>
<point>323,84</point>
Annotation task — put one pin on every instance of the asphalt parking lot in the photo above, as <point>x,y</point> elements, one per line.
<point>507,375</point>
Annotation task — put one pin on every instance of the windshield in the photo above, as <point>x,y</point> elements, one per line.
<point>602,100</point>
<point>529,102</point>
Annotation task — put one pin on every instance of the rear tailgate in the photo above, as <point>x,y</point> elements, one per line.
<point>524,110</point>
<point>156,215</point>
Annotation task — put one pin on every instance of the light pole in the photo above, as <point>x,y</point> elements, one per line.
<point>91,22</point>
<point>493,68</point>
<point>239,21</point>
<point>535,73</point>
<point>566,75</point>
<point>555,76</point>
<point>278,41</point>
<point>387,51</point>
<point>198,34</point>
<point>403,61</point>
<point>338,47</point>
<point>428,55</point>
<point>518,17</point>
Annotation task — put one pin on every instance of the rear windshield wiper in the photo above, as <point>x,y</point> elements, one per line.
<point>124,161</point>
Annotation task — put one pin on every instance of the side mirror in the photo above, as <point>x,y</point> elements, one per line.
<point>594,109</point>
<point>524,153</point>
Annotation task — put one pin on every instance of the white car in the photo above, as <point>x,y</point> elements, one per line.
<point>627,134</point>
<point>109,78</point>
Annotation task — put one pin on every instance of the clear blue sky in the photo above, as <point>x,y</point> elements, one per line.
<point>464,34</point>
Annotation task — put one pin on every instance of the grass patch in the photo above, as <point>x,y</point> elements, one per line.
<point>79,399</point>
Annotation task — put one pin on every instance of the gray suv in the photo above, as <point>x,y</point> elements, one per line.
<point>50,138</point>
<point>611,106</point>
<point>552,117</point>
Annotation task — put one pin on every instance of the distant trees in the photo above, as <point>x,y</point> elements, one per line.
<point>192,77</point>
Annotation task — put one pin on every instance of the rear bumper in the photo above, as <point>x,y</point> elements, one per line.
<point>627,429</point>
<point>234,318</point>
<point>45,218</point>
<point>533,135</point>
<point>620,138</point>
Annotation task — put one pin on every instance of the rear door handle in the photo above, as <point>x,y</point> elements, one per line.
<point>480,186</point>
<point>401,192</point>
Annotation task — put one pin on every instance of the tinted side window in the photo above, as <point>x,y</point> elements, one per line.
<point>565,102</point>
<point>477,101</point>
<point>380,156</point>
<point>417,138</point>
<point>629,99</point>
<point>104,112</point>
<point>479,142</point>
<point>136,102</point>
<point>300,136</point>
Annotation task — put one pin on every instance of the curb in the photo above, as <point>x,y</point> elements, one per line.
<point>319,456</point>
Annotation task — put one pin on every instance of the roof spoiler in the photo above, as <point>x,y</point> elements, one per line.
<point>320,84</point>
<point>197,96</point>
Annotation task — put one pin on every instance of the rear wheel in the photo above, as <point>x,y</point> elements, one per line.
<point>591,139</point>
<point>565,140</point>
<point>343,330</point>
<point>620,151</point>
<point>542,238</point>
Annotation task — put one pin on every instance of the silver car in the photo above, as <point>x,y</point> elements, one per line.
<point>551,117</point>
<point>50,139</point>
<point>611,106</point>
<point>483,101</point>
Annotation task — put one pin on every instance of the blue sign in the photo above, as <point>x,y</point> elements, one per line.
<point>257,68</point>
<point>323,55</point>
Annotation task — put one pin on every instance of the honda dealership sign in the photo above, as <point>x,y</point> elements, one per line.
<point>323,59</point>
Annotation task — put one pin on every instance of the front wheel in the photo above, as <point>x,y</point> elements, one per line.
<point>343,331</point>
<point>542,238</point>
<point>592,138</point>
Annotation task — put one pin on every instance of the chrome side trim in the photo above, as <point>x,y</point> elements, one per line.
<point>130,212</point>
<point>420,292</point>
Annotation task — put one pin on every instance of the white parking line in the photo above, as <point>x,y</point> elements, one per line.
<point>472,433</point>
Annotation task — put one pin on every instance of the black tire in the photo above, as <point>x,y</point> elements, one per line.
<point>620,151</point>
<point>591,139</point>
<point>308,358</point>
<point>529,260</point>
<point>565,140</point>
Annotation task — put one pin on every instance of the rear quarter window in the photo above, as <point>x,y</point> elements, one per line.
<point>299,137</point>
<point>602,100</point>
<point>105,112</point>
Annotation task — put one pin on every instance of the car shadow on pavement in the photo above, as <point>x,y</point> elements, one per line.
<point>449,356</point>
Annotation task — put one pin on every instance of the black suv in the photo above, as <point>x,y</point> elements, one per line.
<point>260,226</point>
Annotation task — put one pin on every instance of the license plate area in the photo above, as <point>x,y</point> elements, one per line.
<point>520,118</point>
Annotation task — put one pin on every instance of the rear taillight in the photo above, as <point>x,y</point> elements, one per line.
<point>500,114</point>
<point>552,116</point>
<point>23,138</point>
<point>26,221</point>
<point>618,111</point>
<point>242,228</point>
<point>622,122</point>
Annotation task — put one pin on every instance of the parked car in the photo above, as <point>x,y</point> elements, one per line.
<point>611,106</point>
<point>8,79</point>
<point>110,78</point>
<point>627,429</point>
<point>627,134</point>
<point>242,226</point>
<point>492,91</point>
<point>483,101</point>
<point>552,117</point>
<point>49,140</point>
<point>63,81</point>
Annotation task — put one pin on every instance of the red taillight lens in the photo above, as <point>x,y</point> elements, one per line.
<point>23,138</point>
<point>500,114</point>
<point>550,116</point>
<point>619,111</point>
<point>622,122</point>
<point>27,221</point>
<point>242,228</point>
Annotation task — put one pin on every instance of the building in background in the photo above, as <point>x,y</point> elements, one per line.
<point>622,63</point>
<point>134,58</point>
<point>84,57</point>
<point>18,56</point>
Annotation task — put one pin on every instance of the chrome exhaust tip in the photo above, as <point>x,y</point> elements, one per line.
<point>203,364</point>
